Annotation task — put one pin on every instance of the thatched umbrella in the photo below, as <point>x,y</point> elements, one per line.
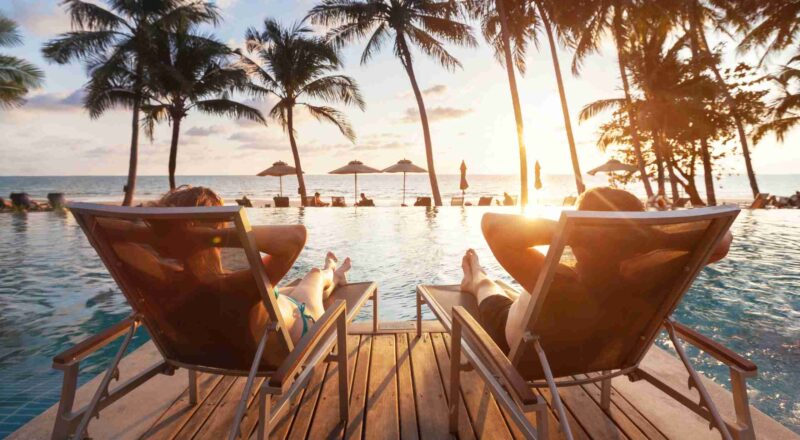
<point>612,166</point>
<point>279,169</point>
<point>355,168</point>
<point>404,166</point>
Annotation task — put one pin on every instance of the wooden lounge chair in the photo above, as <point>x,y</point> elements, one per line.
<point>245,202</point>
<point>338,202</point>
<point>606,336</point>
<point>485,201</point>
<point>281,202</point>
<point>423,201</point>
<point>457,201</point>
<point>198,320</point>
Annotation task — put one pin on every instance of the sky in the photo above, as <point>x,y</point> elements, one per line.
<point>469,109</point>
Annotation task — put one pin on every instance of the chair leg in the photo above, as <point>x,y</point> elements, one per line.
<point>341,353</point>
<point>264,402</point>
<point>551,383</point>
<point>241,407</point>
<point>63,425</point>
<point>375,318</point>
<point>192,387</point>
<point>419,315</point>
<point>543,423</point>
<point>455,375</point>
<point>605,393</point>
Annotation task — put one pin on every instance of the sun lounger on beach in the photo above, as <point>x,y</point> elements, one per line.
<point>281,202</point>
<point>202,321</point>
<point>485,201</point>
<point>244,201</point>
<point>579,336</point>
<point>457,201</point>
<point>338,202</point>
<point>760,201</point>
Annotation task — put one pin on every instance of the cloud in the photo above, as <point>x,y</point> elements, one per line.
<point>100,151</point>
<point>206,131</point>
<point>247,136</point>
<point>56,101</point>
<point>436,114</point>
<point>41,18</point>
<point>432,91</point>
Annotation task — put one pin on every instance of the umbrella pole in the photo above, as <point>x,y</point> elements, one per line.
<point>404,188</point>
<point>355,198</point>
<point>280,178</point>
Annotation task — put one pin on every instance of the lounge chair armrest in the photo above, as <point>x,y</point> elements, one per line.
<point>81,350</point>
<point>308,344</point>
<point>489,352</point>
<point>715,349</point>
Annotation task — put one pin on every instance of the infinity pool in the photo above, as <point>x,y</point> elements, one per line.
<point>54,291</point>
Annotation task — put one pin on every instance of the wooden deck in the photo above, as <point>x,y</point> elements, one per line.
<point>398,390</point>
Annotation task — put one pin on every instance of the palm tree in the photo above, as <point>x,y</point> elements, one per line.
<point>698,15</point>
<point>112,43</point>
<point>17,76</point>
<point>522,24</point>
<point>293,65</point>
<point>588,22</point>
<point>192,72</point>
<point>422,23</point>
<point>785,110</point>
<point>779,26</point>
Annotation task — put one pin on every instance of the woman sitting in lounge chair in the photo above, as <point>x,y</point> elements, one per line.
<point>200,265</point>
<point>512,239</point>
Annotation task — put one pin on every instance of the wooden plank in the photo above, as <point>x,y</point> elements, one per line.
<point>466,425</point>
<point>394,327</point>
<point>382,419</point>
<point>302,419</point>
<point>358,391</point>
<point>555,431</point>
<point>406,402</point>
<point>430,397</point>
<point>205,409</point>
<point>173,419</point>
<point>624,413</point>
<point>220,423</point>
<point>327,422</point>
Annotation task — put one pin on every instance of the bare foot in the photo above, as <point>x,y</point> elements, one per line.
<point>475,263</point>
<point>340,274</point>
<point>330,261</point>
<point>466,282</point>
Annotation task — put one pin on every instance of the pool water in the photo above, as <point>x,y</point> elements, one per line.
<point>54,291</point>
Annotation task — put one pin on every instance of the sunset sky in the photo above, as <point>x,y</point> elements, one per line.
<point>470,111</point>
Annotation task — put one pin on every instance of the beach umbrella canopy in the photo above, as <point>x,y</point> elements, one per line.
<point>612,166</point>
<point>537,172</point>
<point>404,166</point>
<point>355,168</point>
<point>278,169</point>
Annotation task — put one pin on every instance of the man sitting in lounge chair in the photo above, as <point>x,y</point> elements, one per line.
<point>512,238</point>
<point>282,244</point>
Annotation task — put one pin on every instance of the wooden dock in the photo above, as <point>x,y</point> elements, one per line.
<point>398,390</point>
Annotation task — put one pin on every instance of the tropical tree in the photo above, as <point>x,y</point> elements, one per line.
<point>192,72</point>
<point>425,24</point>
<point>588,21</point>
<point>699,15</point>
<point>778,25</point>
<point>784,111</point>
<point>112,43</point>
<point>523,23</point>
<point>293,64</point>
<point>17,76</point>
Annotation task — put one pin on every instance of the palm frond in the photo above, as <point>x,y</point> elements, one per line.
<point>330,114</point>
<point>335,88</point>
<point>9,32</point>
<point>81,44</point>
<point>20,72</point>
<point>595,108</point>
<point>90,16</point>
<point>229,108</point>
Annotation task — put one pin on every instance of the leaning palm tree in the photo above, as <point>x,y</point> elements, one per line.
<point>523,23</point>
<point>424,24</point>
<point>17,76</point>
<point>112,43</point>
<point>192,72</point>
<point>292,64</point>
<point>699,15</point>
<point>589,20</point>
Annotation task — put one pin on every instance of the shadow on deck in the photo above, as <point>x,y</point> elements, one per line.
<point>398,390</point>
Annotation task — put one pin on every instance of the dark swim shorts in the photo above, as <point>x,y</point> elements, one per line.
<point>494,314</point>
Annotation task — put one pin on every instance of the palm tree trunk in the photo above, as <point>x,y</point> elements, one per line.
<point>173,150</point>
<point>405,59</point>
<point>751,175</point>
<point>301,184</point>
<point>659,153</point>
<point>708,173</point>
<point>130,186</point>
<point>573,152</point>
<point>637,145</point>
<point>512,85</point>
